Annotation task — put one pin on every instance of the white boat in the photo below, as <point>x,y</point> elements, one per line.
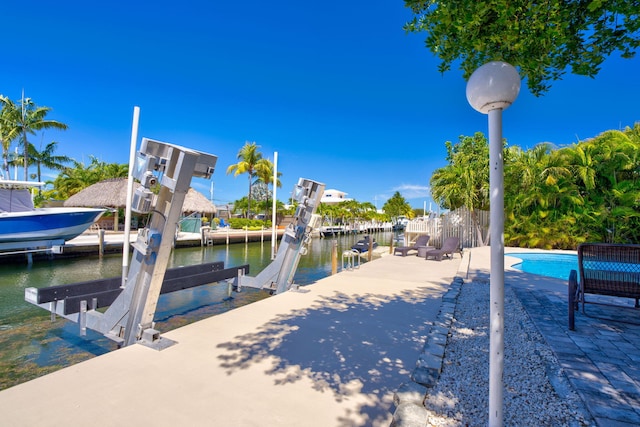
<point>333,230</point>
<point>24,227</point>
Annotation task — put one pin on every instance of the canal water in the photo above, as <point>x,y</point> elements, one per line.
<point>32,345</point>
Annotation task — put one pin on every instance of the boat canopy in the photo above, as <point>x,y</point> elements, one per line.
<point>15,200</point>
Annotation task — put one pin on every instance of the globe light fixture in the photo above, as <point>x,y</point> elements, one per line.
<point>494,85</point>
<point>491,89</point>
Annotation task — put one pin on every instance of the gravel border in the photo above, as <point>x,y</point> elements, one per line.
<point>450,384</point>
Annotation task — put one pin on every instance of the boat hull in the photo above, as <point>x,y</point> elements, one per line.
<point>46,224</point>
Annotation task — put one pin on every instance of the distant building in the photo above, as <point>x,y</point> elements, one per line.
<point>333,196</point>
<point>224,211</point>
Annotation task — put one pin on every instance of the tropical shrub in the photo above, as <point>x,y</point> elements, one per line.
<point>554,197</point>
<point>248,224</point>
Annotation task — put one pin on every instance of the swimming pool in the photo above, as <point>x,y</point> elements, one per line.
<point>556,265</point>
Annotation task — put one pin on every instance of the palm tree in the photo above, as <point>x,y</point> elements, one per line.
<point>8,132</point>
<point>240,205</point>
<point>582,159</point>
<point>28,119</point>
<point>368,211</point>
<point>45,158</point>
<point>329,213</point>
<point>112,170</point>
<point>265,175</point>
<point>250,162</point>
<point>540,197</point>
<point>397,206</point>
<point>464,182</point>
<point>73,179</point>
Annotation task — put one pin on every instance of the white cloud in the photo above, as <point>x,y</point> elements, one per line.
<point>413,191</point>
<point>408,191</point>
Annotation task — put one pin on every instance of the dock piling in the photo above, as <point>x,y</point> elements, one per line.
<point>101,242</point>
<point>334,257</point>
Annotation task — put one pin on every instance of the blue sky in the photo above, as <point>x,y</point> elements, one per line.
<point>336,88</point>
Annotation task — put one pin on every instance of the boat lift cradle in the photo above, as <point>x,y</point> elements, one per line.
<point>132,305</point>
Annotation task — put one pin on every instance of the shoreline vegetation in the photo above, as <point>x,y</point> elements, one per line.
<point>555,197</point>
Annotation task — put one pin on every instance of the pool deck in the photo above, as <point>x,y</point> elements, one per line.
<point>330,355</point>
<point>600,358</point>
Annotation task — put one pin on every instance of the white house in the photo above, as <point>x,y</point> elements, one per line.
<point>333,196</point>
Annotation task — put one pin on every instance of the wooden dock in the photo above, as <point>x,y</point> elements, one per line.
<point>106,242</point>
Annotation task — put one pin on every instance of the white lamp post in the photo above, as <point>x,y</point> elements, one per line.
<point>274,202</point>
<point>492,88</point>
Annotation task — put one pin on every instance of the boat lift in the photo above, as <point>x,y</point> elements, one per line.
<point>132,304</point>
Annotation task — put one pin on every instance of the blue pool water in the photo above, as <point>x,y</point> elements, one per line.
<point>546,264</point>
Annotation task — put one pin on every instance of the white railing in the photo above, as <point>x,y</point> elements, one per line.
<point>458,223</point>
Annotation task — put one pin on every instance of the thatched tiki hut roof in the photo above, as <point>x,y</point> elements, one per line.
<point>197,202</point>
<point>112,193</point>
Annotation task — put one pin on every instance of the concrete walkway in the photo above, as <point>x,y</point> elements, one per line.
<point>331,354</point>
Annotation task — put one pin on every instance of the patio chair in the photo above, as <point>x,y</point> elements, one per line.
<point>449,246</point>
<point>421,241</point>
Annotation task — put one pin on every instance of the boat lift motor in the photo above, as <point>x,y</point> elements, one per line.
<point>132,305</point>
